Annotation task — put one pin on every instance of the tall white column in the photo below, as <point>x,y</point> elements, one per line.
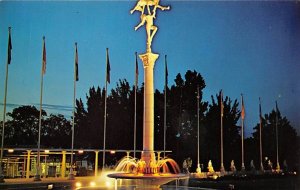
<point>148,128</point>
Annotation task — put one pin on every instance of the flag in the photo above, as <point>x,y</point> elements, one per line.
<point>166,71</point>
<point>221,103</point>
<point>107,67</point>
<point>76,63</point>
<point>9,48</point>
<point>44,56</point>
<point>260,116</point>
<point>243,108</point>
<point>136,69</point>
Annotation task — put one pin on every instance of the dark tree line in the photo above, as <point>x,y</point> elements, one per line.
<point>22,126</point>
<point>21,130</point>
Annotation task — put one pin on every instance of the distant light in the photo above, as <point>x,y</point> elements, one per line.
<point>10,150</point>
<point>107,184</point>
<point>47,151</point>
<point>78,184</point>
<point>80,151</point>
<point>214,176</point>
<point>50,186</point>
<point>92,184</point>
<point>112,151</point>
<point>295,173</point>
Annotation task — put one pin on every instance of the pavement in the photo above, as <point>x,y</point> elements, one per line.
<point>50,183</point>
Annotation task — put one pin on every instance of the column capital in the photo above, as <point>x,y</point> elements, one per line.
<point>149,59</point>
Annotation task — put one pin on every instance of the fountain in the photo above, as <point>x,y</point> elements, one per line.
<point>148,173</point>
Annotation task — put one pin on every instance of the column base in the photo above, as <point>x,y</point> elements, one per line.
<point>37,177</point>
<point>150,162</point>
<point>71,175</point>
<point>243,167</point>
<point>2,179</point>
<point>262,167</point>
<point>222,169</point>
<point>277,167</point>
<point>198,170</point>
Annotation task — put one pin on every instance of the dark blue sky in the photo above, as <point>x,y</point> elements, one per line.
<point>241,47</point>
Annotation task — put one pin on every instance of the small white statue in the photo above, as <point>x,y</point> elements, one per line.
<point>210,167</point>
<point>232,166</point>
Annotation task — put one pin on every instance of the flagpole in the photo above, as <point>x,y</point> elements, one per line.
<point>37,176</point>
<point>260,136</point>
<point>104,128</point>
<point>135,88</point>
<point>198,170</point>
<point>277,159</point>
<point>4,110</point>
<point>71,174</point>
<point>242,133</point>
<point>165,107</point>
<point>222,170</point>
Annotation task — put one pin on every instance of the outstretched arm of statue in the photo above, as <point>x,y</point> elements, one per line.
<point>138,7</point>
<point>160,7</point>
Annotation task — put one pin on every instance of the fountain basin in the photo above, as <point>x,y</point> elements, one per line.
<point>148,181</point>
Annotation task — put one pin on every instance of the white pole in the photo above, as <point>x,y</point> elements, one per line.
<point>222,170</point>
<point>165,107</point>
<point>104,127</point>
<point>4,114</point>
<point>198,170</point>
<point>277,157</point>
<point>260,137</point>
<point>242,133</point>
<point>71,174</point>
<point>135,88</point>
<point>37,176</point>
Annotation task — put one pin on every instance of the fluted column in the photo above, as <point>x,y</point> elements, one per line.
<point>148,60</point>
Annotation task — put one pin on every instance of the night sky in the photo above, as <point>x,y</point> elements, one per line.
<point>238,46</point>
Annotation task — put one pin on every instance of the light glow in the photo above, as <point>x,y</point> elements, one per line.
<point>107,184</point>
<point>50,186</point>
<point>112,152</point>
<point>78,184</point>
<point>92,184</point>
<point>10,150</point>
<point>47,151</point>
<point>80,151</point>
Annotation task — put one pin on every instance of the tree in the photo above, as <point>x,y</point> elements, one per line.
<point>89,122</point>
<point>120,117</point>
<point>288,146</point>
<point>22,129</point>
<point>182,115</point>
<point>82,127</point>
<point>56,132</point>
<point>231,137</point>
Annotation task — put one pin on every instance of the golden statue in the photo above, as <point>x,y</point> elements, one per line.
<point>140,6</point>
<point>148,18</point>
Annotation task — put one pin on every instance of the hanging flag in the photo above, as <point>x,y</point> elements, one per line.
<point>136,69</point>
<point>9,48</point>
<point>44,56</point>
<point>107,67</point>
<point>76,63</point>
<point>166,71</point>
<point>221,103</point>
<point>260,116</point>
<point>243,108</point>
